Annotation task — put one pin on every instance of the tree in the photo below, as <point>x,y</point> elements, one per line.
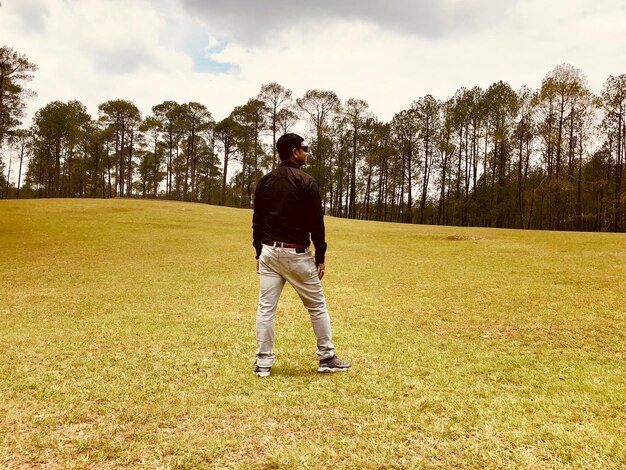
<point>523,135</point>
<point>225,134</point>
<point>170,114</point>
<point>275,97</point>
<point>320,107</point>
<point>355,111</point>
<point>404,126</point>
<point>153,128</point>
<point>208,170</point>
<point>339,167</point>
<point>250,120</point>
<point>378,149</point>
<point>22,141</point>
<point>501,105</point>
<point>97,171</point>
<point>3,180</point>
<point>560,99</point>
<point>445,148</point>
<point>614,104</point>
<point>58,131</point>
<point>15,70</point>
<point>196,120</point>
<point>286,118</point>
<point>143,185</point>
<point>428,118</point>
<point>465,113</point>
<point>6,180</point>
<point>123,118</point>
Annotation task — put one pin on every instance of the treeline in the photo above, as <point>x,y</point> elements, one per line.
<point>550,158</point>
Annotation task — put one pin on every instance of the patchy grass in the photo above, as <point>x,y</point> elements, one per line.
<point>127,340</point>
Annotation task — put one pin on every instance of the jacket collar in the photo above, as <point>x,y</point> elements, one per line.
<point>289,164</point>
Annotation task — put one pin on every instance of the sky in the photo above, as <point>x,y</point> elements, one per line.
<point>220,52</point>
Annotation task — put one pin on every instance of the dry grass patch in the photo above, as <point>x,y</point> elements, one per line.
<point>460,238</point>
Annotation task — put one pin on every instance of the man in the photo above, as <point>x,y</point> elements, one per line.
<point>287,209</point>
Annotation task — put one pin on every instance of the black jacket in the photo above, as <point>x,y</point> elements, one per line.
<point>287,208</point>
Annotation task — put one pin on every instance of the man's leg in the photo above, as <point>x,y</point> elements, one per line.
<point>271,286</point>
<point>302,275</point>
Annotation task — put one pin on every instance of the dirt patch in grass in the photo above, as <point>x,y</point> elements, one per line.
<point>461,238</point>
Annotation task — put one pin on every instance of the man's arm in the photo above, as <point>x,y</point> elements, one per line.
<point>321,269</point>
<point>317,229</point>
<point>258,220</point>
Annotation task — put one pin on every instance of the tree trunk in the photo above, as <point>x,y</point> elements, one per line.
<point>520,189</point>
<point>410,185</point>
<point>442,192</point>
<point>226,157</point>
<point>426,170</point>
<point>155,183</point>
<point>130,163</point>
<point>618,171</point>
<point>19,171</point>
<point>352,200</point>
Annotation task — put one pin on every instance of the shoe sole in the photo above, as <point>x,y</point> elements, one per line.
<point>324,370</point>
<point>262,374</point>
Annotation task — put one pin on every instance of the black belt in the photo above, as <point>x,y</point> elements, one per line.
<point>298,248</point>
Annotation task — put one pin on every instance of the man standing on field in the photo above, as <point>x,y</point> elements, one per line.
<point>287,209</point>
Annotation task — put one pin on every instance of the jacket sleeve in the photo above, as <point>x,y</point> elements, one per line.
<point>317,229</point>
<point>258,220</point>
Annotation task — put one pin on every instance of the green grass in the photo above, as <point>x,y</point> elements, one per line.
<point>127,340</point>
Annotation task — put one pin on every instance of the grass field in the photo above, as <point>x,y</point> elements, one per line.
<point>127,341</point>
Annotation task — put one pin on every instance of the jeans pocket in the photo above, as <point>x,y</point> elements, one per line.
<point>300,267</point>
<point>263,261</point>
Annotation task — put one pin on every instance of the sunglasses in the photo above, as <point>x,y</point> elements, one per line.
<point>304,147</point>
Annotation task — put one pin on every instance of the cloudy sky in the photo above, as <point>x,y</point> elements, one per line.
<point>388,52</point>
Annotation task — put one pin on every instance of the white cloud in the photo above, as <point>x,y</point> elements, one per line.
<point>149,52</point>
<point>252,22</point>
<point>30,14</point>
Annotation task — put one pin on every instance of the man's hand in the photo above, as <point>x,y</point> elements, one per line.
<point>257,266</point>
<point>321,268</point>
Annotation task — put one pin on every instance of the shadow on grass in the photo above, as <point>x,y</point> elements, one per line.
<point>304,371</point>
<point>295,371</point>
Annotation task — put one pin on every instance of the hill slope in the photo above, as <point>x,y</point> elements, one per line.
<point>127,340</point>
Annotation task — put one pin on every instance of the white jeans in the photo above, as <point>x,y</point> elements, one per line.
<point>276,266</point>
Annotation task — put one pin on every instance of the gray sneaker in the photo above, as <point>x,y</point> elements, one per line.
<point>262,371</point>
<point>333,364</point>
